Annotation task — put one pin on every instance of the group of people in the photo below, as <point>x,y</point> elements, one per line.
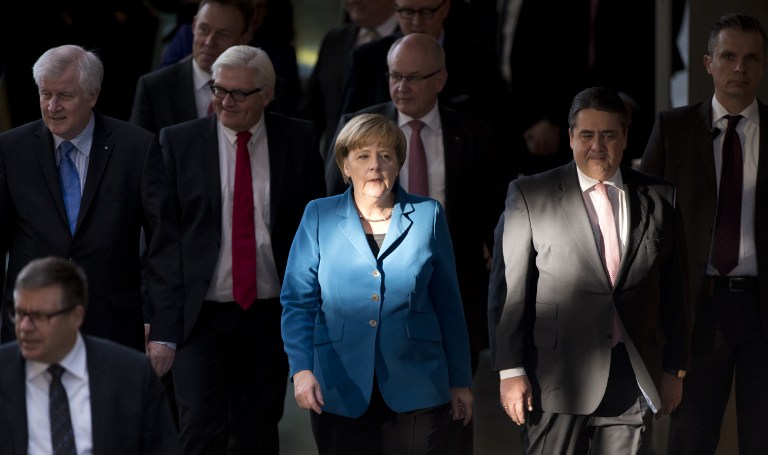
<point>371,257</point>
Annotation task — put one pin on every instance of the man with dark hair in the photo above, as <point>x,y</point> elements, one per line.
<point>585,296</point>
<point>716,153</point>
<point>102,397</point>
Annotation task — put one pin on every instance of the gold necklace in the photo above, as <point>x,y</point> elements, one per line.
<point>376,221</point>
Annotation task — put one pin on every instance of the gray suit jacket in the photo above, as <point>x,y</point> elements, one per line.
<point>165,97</point>
<point>680,150</point>
<point>129,408</point>
<point>556,309</point>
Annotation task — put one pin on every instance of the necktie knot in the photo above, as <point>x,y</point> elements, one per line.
<point>416,125</point>
<point>733,120</point>
<point>56,371</point>
<point>243,137</point>
<point>67,148</point>
<point>601,188</point>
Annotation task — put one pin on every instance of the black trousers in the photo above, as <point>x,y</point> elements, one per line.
<point>382,431</point>
<point>230,378</point>
<point>620,424</point>
<point>728,339</point>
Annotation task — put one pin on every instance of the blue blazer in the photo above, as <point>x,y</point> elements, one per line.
<point>348,315</point>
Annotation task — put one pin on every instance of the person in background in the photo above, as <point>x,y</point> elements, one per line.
<point>181,91</point>
<point>241,179</point>
<point>271,29</point>
<point>81,185</point>
<point>587,318</point>
<point>369,20</point>
<point>716,153</point>
<point>372,316</point>
<point>102,397</point>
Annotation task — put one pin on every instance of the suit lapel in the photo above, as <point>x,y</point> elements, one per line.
<point>352,229</point>
<point>208,147</point>
<point>100,400</point>
<point>101,150</point>
<point>46,156</point>
<point>702,137</point>
<point>637,217</point>
<point>575,214</point>
<point>400,224</point>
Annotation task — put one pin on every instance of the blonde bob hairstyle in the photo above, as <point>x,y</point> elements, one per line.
<point>366,130</point>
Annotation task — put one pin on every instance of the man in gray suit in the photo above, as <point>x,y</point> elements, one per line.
<point>180,92</point>
<point>586,295</point>
<point>728,306</point>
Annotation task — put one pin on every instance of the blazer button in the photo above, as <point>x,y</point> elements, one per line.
<point>373,323</point>
<point>375,297</point>
<point>375,273</point>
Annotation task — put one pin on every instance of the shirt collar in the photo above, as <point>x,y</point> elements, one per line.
<point>200,77</point>
<point>586,182</point>
<point>255,130</point>
<point>432,119</point>
<point>750,114</point>
<point>82,141</point>
<point>74,362</point>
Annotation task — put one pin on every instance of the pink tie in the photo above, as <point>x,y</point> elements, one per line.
<point>610,247</point>
<point>243,228</point>
<point>418,182</point>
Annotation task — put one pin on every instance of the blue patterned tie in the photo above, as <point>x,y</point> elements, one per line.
<point>62,434</point>
<point>70,183</point>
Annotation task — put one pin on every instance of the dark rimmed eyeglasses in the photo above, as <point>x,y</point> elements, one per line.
<point>36,317</point>
<point>425,13</point>
<point>395,78</point>
<point>237,95</point>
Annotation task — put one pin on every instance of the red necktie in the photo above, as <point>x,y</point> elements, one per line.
<point>210,108</point>
<point>243,228</point>
<point>418,182</point>
<point>725,245</point>
<point>610,247</point>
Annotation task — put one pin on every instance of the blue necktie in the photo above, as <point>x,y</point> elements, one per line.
<point>70,183</point>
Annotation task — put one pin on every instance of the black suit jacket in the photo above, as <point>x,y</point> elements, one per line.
<point>322,98</point>
<point>191,153</point>
<point>680,150</point>
<point>125,191</point>
<point>475,89</point>
<point>165,97</point>
<point>474,199</point>
<point>129,409</point>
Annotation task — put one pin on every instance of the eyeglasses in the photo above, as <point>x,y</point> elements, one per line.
<point>237,95</point>
<point>36,317</point>
<point>395,78</point>
<point>425,13</point>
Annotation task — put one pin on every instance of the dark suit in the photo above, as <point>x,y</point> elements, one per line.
<point>165,97</point>
<point>125,191</point>
<point>191,157</point>
<point>129,410</point>
<point>322,98</point>
<point>473,202</point>
<point>681,150</point>
<point>475,89</point>
<point>556,309</point>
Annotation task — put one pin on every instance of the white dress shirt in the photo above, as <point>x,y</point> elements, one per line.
<point>200,81</point>
<point>75,381</point>
<point>267,279</point>
<point>748,130</point>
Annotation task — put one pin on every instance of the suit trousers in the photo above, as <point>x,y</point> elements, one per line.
<point>620,424</point>
<point>382,431</point>
<point>727,339</point>
<point>230,378</point>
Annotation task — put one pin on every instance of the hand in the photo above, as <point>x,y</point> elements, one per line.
<point>671,392</point>
<point>516,397</point>
<point>306,390</point>
<point>461,404</point>
<point>542,138</point>
<point>161,357</point>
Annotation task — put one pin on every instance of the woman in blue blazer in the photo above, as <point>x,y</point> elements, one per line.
<point>372,317</point>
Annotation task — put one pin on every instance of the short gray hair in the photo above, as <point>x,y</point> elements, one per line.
<point>56,61</point>
<point>242,56</point>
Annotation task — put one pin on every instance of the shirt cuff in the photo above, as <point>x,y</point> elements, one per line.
<point>511,373</point>
<point>166,343</point>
